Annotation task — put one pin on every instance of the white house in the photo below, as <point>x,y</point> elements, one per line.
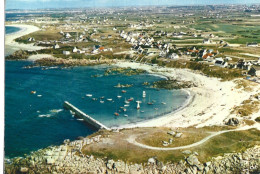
<point>31,39</point>
<point>95,51</point>
<point>221,63</point>
<point>207,41</point>
<point>174,56</point>
<point>68,35</point>
<point>56,46</point>
<point>74,50</point>
<point>66,52</point>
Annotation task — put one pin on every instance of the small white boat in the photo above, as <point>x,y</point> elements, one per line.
<point>80,119</point>
<point>39,95</point>
<point>125,115</point>
<point>126,105</point>
<point>144,94</point>
<point>73,113</point>
<point>119,96</point>
<point>126,102</point>
<point>89,95</point>
<point>101,101</point>
<point>163,103</point>
<point>124,109</point>
<point>109,99</point>
<point>142,111</point>
<point>138,105</point>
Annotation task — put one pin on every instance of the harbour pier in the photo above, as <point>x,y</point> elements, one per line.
<point>87,119</point>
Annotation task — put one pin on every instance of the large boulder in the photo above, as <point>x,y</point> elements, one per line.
<point>110,164</point>
<point>24,169</point>
<point>151,161</point>
<point>192,160</point>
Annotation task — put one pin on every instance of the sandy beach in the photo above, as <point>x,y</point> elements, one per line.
<point>25,29</point>
<point>211,102</point>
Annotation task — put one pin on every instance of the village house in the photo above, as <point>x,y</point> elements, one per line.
<point>173,56</point>
<point>220,62</point>
<point>74,50</point>
<point>242,64</point>
<point>67,36</point>
<point>66,52</point>
<point>31,39</point>
<point>207,41</point>
<point>56,46</point>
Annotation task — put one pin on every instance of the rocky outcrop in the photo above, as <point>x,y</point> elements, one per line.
<point>68,158</point>
<point>232,122</point>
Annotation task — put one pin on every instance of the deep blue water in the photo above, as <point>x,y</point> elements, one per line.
<point>17,16</point>
<point>33,122</point>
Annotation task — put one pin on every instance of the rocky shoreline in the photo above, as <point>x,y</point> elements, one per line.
<point>69,158</point>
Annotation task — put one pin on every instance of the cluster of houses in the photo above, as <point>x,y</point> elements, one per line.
<point>98,49</point>
<point>95,50</point>
<point>68,38</point>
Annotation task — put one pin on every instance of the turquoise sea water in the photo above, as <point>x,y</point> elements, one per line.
<point>9,30</point>
<point>34,121</point>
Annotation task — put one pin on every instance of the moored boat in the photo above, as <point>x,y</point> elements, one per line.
<point>144,94</point>
<point>126,102</point>
<point>138,104</point>
<point>131,99</point>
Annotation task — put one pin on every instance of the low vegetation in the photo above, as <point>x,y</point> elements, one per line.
<point>248,107</point>
<point>172,84</point>
<point>124,71</point>
<point>211,71</point>
<point>20,55</point>
<point>244,84</point>
<point>116,147</point>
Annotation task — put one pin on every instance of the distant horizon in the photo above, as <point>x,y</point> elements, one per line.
<point>65,4</point>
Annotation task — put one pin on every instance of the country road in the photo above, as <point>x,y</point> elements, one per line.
<point>132,138</point>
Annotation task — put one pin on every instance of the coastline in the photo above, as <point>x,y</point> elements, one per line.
<point>158,118</point>
<point>209,103</point>
<point>24,30</point>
